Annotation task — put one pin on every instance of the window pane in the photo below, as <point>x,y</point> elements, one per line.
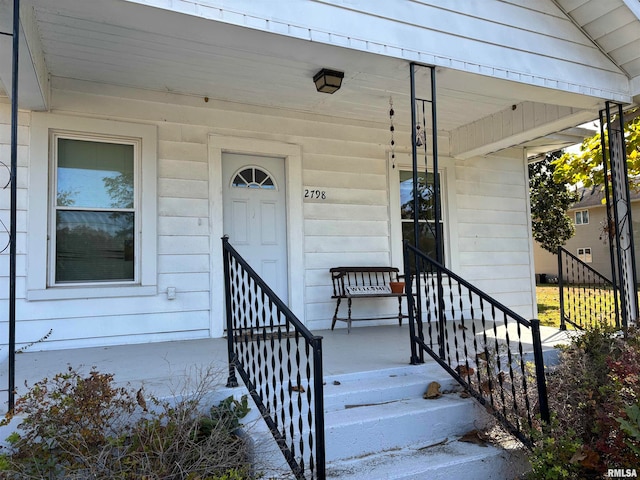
<point>239,181</point>
<point>260,176</point>
<point>426,197</point>
<point>94,246</point>
<point>427,241</point>
<point>94,174</point>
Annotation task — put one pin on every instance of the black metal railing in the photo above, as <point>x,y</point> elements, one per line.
<point>494,353</point>
<point>587,298</point>
<point>279,361</point>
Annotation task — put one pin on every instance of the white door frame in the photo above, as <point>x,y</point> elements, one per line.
<point>292,154</point>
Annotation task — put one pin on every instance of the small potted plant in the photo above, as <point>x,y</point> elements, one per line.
<point>397,287</point>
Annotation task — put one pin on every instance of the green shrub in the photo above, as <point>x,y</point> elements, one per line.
<point>593,396</point>
<point>76,426</point>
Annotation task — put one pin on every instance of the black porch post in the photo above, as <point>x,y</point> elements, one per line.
<point>14,195</point>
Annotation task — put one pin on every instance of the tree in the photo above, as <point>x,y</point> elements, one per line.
<point>585,167</point>
<point>549,203</point>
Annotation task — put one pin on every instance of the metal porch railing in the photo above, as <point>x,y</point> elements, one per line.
<point>494,353</point>
<point>279,361</point>
<point>587,298</point>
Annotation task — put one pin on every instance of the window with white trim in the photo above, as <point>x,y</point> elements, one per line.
<point>92,219</point>
<point>94,209</point>
<point>584,254</point>
<point>582,217</point>
<point>426,214</point>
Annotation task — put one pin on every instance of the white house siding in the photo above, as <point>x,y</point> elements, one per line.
<point>347,160</point>
<point>21,225</point>
<point>494,237</point>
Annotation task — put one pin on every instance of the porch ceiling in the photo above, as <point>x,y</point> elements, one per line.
<point>614,26</point>
<point>121,43</point>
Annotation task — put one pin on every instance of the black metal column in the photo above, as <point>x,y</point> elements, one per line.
<point>14,196</point>
<point>619,216</point>
<point>419,139</point>
<point>610,217</point>
<point>414,158</point>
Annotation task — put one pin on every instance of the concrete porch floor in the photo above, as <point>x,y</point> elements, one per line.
<point>163,368</point>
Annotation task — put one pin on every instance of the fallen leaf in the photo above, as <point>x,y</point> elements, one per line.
<point>474,436</point>
<point>485,387</point>
<point>586,457</point>
<point>464,371</point>
<point>140,399</point>
<point>433,391</point>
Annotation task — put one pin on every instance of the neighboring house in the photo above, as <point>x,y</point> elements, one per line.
<point>181,105</point>
<point>591,241</point>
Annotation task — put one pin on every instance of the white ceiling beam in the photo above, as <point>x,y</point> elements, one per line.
<point>33,91</point>
<point>513,126</point>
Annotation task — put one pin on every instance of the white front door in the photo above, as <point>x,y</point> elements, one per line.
<point>255,216</point>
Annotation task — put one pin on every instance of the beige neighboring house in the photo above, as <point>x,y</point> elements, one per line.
<point>590,242</point>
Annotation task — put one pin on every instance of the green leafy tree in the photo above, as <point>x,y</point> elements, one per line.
<point>549,203</point>
<point>585,166</point>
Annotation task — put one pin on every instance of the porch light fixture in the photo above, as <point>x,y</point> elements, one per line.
<point>328,81</point>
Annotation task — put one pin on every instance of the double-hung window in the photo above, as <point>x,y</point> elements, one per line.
<point>94,210</point>
<point>582,217</point>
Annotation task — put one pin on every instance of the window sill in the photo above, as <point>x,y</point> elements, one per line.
<point>68,293</point>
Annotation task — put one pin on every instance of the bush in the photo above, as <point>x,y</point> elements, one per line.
<point>593,396</point>
<point>78,426</point>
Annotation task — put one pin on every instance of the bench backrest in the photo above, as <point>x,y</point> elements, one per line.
<point>361,277</point>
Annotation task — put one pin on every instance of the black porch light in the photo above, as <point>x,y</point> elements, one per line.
<point>328,81</point>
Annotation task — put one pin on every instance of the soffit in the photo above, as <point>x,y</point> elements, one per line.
<point>613,25</point>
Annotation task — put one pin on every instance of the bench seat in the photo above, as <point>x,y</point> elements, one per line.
<point>364,282</point>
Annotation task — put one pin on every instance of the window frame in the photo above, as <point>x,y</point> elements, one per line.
<point>447,174</point>
<point>581,214</point>
<point>40,248</point>
<point>583,256</point>
<point>432,222</point>
<point>55,135</point>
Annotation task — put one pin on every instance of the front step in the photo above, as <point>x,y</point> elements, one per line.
<point>377,425</point>
<point>452,459</point>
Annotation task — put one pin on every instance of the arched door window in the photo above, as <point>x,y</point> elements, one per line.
<point>253,177</point>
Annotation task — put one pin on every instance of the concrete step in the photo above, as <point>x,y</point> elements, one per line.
<point>353,432</point>
<point>382,386</point>
<point>448,460</point>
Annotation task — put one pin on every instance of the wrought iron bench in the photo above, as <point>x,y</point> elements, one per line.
<point>365,282</point>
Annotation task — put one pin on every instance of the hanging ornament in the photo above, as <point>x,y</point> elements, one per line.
<point>421,136</point>
<point>392,130</point>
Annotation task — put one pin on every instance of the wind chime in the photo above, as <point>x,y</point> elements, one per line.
<point>392,130</point>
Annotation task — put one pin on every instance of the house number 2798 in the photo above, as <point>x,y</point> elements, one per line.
<point>320,194</point>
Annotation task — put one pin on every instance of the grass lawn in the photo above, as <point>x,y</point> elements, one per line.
<point>548,305</point>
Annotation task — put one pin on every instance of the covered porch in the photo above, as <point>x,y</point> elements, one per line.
<point>163,368</point>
